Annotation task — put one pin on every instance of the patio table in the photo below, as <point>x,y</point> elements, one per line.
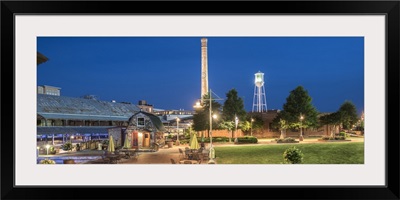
<point>193,161</point>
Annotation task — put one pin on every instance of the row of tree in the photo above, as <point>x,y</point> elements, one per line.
<point>298,113</point>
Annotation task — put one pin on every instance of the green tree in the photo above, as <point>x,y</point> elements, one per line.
<point>280,124</point>
<point>228,125</point>
<point>245,126</point>
<point>332,119</point>
<point>233,106</point>
<point>348,114</point>
<point>201,119</point>
<point>258,123</point>
<point>298,104</point>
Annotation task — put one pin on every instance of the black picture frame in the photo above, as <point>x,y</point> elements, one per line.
<point>11,8</point>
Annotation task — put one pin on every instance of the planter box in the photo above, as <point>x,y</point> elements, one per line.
<point>170,144</point>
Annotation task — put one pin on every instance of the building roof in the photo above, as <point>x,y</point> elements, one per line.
<point>72,129</point>
<point>82,117</point>
<point>61,107</point>
<point>154,120</point>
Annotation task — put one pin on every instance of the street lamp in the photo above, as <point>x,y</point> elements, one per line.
<point>47,147</point>
<point>198,105</point>
<point>212,151</point>
<point>177,130</point>
<point>72,137</point>
<point>251,126</point>
<point>236,124</point>
<point>301,127</point>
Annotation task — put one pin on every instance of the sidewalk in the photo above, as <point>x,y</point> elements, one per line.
<point>162,156</point>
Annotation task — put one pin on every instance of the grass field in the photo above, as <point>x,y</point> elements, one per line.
<point>317,153</point>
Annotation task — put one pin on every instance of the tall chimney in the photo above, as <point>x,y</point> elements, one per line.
<point>204,68</point>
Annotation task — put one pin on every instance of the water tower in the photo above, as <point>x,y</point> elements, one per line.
<point>259,100</point>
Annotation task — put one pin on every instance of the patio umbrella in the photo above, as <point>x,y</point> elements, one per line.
<point>111,147</point>
<point>194,144</point>
<point>127,144</point>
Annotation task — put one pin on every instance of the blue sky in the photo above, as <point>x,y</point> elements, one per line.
<point>165,71</point>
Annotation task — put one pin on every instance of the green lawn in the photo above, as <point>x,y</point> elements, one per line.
<point>321,153</point>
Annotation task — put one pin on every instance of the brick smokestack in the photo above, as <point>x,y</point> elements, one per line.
<point>204,68</point>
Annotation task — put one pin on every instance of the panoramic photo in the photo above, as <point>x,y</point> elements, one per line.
<point>200,100</point>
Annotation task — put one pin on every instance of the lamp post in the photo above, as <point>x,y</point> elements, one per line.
<point>198,105</point>
<point>251,126</point>
<point>301,127</point>
<point>236,124</point>
<point>177,131</point>
<point>47,147</point>
<point>212,151</point>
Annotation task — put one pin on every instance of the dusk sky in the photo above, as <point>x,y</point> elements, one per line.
<point>165,71</point>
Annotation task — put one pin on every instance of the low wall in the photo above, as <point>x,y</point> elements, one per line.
<point>261,134</point>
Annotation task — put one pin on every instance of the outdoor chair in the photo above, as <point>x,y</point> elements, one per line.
<point>187,153</point>
<point>196,156</point>
<point>181,154</point>
<point>118,159</point>
<point>205,155</point>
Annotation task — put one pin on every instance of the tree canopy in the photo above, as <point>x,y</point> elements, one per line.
<point>233,106</point>
<point>298,103</point>
<point>348,114</point>
<point>201,119</point>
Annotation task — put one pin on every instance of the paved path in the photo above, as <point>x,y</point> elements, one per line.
<point>164,155</point>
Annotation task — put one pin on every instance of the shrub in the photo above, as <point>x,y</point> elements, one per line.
<point>247,140</point>
<point>326,138</point>
<point>52,150</point>
<point>340,138</point>
<point>286,140</point>
<point>214,139</point>
<point>289,139</point>
<point>342,134</point>
<point>293,155</point>
<point>67,146</point>
<point>47,161</point>
<point>105,142</point>
<point>184,141</point>
<point>335,138</point>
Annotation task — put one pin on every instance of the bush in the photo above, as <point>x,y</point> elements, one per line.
<point>214,139</point>
<point>285,140</point>
<point>326,138</point>
<point>67,146</point>
<point>335,138</point>
<point>105,142</point>
<point>52,150</point>
<point>293,155</point>
<point>47,161</point>
<point>247,140</point>
<point>342,134</point>
<point>184,141</point>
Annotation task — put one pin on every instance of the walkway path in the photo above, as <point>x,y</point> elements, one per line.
<point>164,155</point>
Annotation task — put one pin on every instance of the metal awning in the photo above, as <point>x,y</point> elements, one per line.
<point>82,117</point>
<point>73,129</point>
